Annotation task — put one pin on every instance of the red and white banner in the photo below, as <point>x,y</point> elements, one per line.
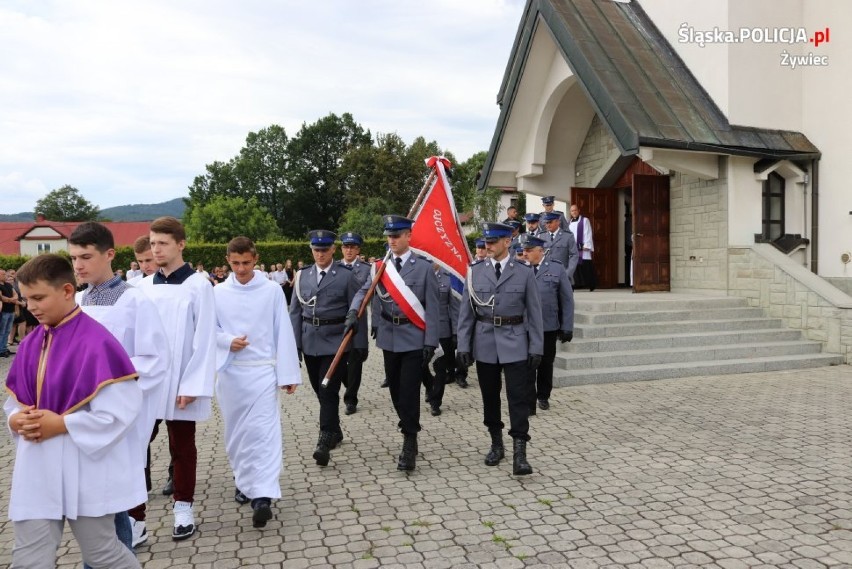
<point>437,231</point>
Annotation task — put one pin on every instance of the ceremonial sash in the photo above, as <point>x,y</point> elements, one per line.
<point>402,295</point>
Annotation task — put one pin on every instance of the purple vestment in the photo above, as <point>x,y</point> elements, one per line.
<point>61,368</point>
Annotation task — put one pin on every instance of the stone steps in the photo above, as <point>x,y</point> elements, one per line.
<point>627,337</point>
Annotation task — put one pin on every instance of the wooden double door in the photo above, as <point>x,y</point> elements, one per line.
<point>649,240</point>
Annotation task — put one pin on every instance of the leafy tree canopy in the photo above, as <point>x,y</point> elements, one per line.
<point>223,218</point>
<point>66,204</point>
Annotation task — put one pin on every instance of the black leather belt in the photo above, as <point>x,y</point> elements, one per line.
<point>323,321</point>
<point>500,320</point>
<point>397,320</point>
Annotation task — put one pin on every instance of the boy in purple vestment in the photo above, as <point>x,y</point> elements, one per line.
<point>73,398</point>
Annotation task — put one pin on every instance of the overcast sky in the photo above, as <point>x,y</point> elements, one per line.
<point>127,101</point>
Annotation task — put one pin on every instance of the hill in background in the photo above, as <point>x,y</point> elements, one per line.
<point>133,212</point>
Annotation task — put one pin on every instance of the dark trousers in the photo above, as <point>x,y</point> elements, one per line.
<point>404,371</point>
<point>585,275</point>
<point>541,379</point>
<point>185,458</point>
<point>517,395</point>
<point>138,513</point>
<point>329,396</point>
<point>352,379</point>
<point>444,369</point>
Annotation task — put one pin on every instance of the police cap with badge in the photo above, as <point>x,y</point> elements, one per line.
<point>321,239</point>
<point>532,242</point>
<point>350,238</point>
<point>531,217</point>
<point>493,231</point>
<point>548,200</point>
<point>396,224</point>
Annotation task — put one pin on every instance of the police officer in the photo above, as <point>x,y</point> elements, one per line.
<point>557,299</point>
<point>516,232</point>
<point>406,330</point>
<point>449,312</point>
<point>548,205</point>
<point>533,225</point>
<point>500,326</point>
<point>518,251</point>
<point>561,242</point>
<point>351,246</point>
<point>322,293</point>
<point>480,250</point>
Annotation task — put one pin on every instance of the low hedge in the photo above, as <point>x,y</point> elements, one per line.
<point>213,254</point>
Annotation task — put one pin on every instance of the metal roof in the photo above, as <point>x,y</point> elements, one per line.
<point>637,84</point>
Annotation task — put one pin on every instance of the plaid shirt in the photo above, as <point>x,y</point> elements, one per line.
<point>104,294</point>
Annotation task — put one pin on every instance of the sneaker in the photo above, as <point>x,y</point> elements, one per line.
<point>140,532</point>
<point>241,498</point>
<point>262,512</point>
<point>184,521</point>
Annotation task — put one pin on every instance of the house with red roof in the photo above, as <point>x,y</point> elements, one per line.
<point>43,236</point>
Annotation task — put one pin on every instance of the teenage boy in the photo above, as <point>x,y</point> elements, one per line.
<point>73,401</point>
<point>132,318</point>
<point>184,300</point>
<point>256,355</point>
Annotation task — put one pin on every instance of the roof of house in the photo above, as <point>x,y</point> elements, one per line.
<point>637,84</point>
<point>11,233</point>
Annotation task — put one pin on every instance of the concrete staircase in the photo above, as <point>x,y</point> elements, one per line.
<point>620,336</point>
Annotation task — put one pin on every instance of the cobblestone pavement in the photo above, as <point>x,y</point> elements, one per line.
<point>735,471</point>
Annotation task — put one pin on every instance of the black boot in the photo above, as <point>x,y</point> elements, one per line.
<point>322,454</point>
<point>497,452</point>
<point>520,466</point>
<point>408,456</point>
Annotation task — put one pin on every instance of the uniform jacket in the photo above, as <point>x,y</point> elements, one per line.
<point>418,275</point>
<point>449,306</point>
<point>516,294</point>
<point>563,249</point>
<point>557,296</point>
<point>563,221</point>
<point>361,270</point>
<point>333,297</point>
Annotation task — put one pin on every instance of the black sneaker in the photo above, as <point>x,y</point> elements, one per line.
<point>262,512</point>
<point>241,498</point>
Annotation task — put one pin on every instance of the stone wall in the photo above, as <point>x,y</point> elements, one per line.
<point>699,232</point>
<point>786,290</point>
<point>594,155</point>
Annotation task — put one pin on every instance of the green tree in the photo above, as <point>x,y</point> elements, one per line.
<point>315,177</point>
<point>223,218</point>
<point>259,171</point>
<point>365,218</point>
<point>66,204</point>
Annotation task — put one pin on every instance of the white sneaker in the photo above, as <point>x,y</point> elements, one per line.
<point>184,521</point>
<point>140,533</point>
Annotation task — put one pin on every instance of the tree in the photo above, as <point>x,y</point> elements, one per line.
<point>365,218</point>
<point>66,204</point>
<point>316,179</point>
<point>223,218</point>
<point>259,171</point>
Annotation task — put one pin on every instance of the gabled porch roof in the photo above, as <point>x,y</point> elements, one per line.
<point>636,83</point>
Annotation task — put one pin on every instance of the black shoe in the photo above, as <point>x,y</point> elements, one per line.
<point>543,404</point>
<point>5,354</point>
<point>436,410</point>
<point>384,384</point>
<point>462,382</point>
<point>322,454</point>
<point>241,498</point>
<point>520,466</point>
<point>169,488</point>
<point>336,439</point>
<point>408,456</point>
<point>262,512</point>
<point>351,409</point>
<point>497,452</point>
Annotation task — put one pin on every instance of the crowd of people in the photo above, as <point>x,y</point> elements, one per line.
<point>132,353</point>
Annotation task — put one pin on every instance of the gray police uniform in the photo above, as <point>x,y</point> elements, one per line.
<point>501,335</point>
<point>557,300</point>
<point>449,312</point>
<point>402,341</point>
<point>352,381</point>
<point>563,249</point>
<point>318,327</point>
<point>563,221</point>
